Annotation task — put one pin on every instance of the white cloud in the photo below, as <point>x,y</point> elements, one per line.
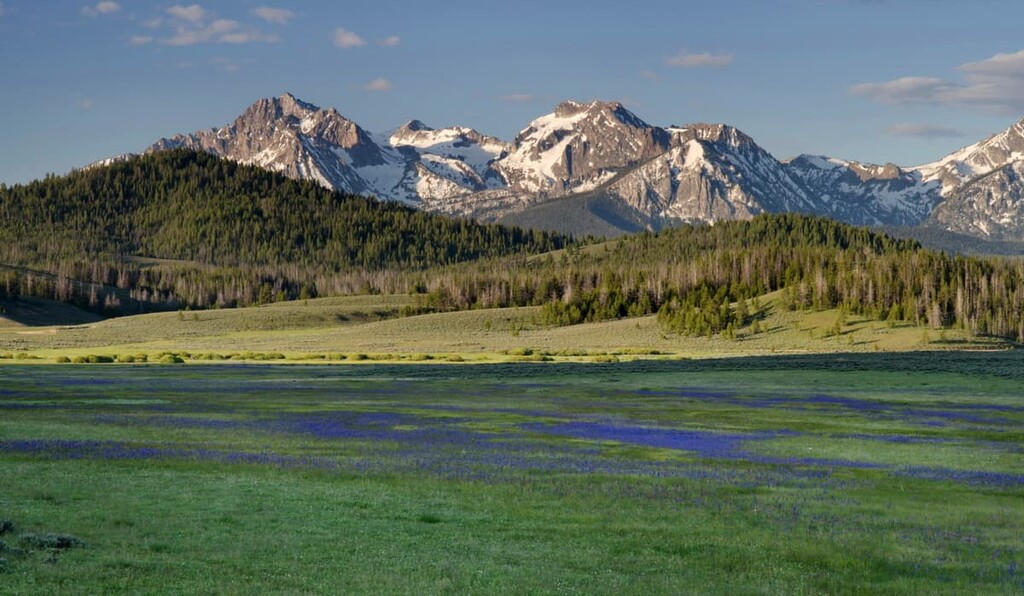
<point>346,39</point>
<point>994,84</point>
<point>905,90</point>
<point>278,16</point>
<point>139,40</point>
<point>928,131</point>
<point>191,25</point>
<point>378,85</point>
<point>650,75</point>
<point>701,60</point>
<point>390,42</point>
<point>1000,65</point>
<point>105,7</point>
<point>193,13</point>
<point>518,97</point>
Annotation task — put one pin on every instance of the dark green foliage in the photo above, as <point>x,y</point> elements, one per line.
<point>224,234</point>
<point>6,526</point>
<point>698,278</point>
<point>230,235</point>
<point>196,207</point>
<point>49,540</point>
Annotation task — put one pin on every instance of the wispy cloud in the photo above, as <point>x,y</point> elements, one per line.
<point>278,16</point>
<point>650,75</point>
<point>140,40</point>
<point>192,13</point>
<point>345,39</point>
<point>699,60</point>
<point>518,97</point>
<point>86,103</point>
<point>217,62</point>
<point>994,84</point>
<point>106,7</point>
<point>193,24</point>
<point>225,64</point>
<point>378,85</point>
<point>390,42</point>
<point>3,9</point>
<point>927,131</point>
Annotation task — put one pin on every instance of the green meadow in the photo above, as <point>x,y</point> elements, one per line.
<point>386,327</point>
<point>841,473</point>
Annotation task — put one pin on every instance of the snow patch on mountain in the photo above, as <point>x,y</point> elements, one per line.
<point>660,176</point>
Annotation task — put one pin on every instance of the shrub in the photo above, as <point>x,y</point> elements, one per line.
<point>6,526</point>
<point>62,360</point>
<point>79,360</point>
<point>606,358</point>
<point>50,540</point>
<point>455,358</point>
<point>171,359</point>
<point>358,357</point>
<point>533,358</point>
<point>127,358</point>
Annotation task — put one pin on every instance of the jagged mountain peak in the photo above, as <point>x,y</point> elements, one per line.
<point>413,126</point>
<point>972,161</point>
<point>819,162</point>
<point>578,147</point>
<point>292,103</point>
<point>600,150</point>
<point>714,133</point>
<point>596,108</point>
<point>863,171</point>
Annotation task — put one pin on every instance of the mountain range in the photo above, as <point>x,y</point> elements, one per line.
<point>598,168</point>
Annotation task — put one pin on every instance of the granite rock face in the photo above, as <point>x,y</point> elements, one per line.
<point>601,153</point>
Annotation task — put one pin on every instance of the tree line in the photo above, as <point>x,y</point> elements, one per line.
<point>178,229</point>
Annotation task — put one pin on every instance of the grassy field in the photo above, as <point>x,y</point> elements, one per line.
<point>371,326</point>
<point>858,473</point>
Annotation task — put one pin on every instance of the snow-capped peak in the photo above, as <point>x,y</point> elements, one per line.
<point>977,159</point>
<point>658,176</point>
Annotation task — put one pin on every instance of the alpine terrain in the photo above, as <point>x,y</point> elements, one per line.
<point>597,167</point>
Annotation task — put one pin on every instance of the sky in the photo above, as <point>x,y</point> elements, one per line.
<point>902,81</point>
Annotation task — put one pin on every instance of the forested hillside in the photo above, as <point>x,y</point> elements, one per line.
<point>704,280</point>
<point>237,234</point>
<point>185,230</point>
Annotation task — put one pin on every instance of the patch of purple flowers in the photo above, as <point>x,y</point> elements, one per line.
<point>118,450</point>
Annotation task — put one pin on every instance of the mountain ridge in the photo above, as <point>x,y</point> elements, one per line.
<point>657,177</point>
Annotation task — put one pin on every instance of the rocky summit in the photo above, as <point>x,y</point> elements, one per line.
<point>597,167</point>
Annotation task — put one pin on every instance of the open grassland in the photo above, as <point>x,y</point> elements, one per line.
<point>785,475</point>
<point>374,328</point>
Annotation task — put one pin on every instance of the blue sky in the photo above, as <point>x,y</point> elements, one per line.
<point>905,81</point>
